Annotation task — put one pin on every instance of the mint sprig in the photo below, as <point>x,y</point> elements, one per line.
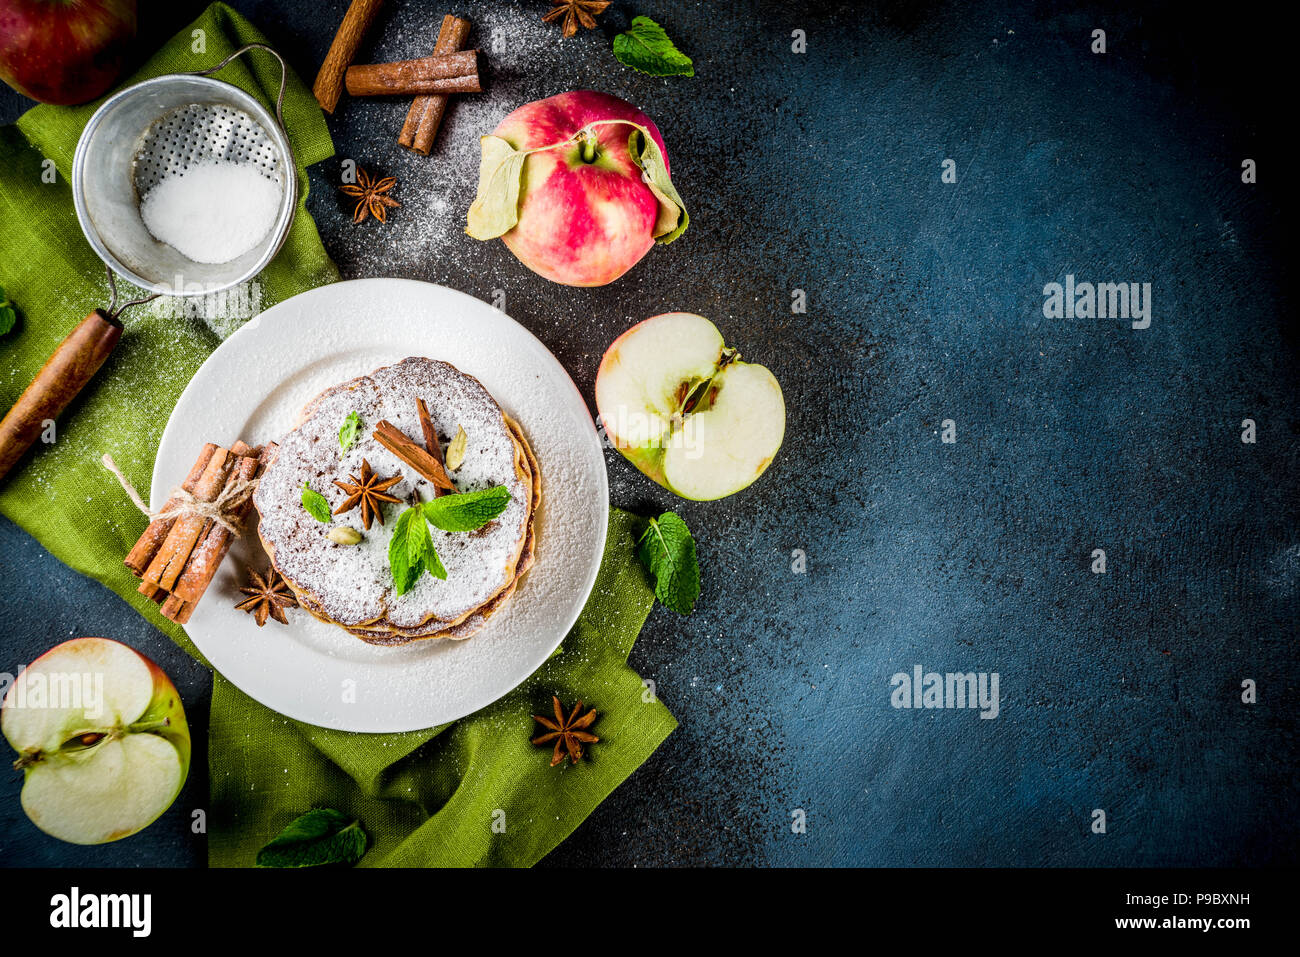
<point>645,47</point>
<point>348,431</point>
<point>321,836</point>
<point>667,550</point>
<point>410,549</point>
<point>315,504</point>
<point>411,552</point>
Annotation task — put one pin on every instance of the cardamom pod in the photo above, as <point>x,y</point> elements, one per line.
<point>456,450</point>
<point>344,535</point>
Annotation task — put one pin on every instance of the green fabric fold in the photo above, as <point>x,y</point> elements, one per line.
<point>60,492</point>
<point>475,792</point>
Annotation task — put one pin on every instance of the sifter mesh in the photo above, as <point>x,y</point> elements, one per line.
<point>200,133</point>
<point>159,129</point>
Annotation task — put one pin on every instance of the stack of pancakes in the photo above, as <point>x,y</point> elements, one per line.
<point>352,585</point>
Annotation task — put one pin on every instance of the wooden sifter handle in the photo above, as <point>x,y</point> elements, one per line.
<point>64,374</point>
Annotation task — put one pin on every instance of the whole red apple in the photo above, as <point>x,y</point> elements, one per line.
<point>586,215</point>
<point>64,51</point>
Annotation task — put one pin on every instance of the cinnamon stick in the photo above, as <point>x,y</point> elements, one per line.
<point>419,459</point>
<point>426,112</point>
<point>329,80</point>
<point>216,540</point>
<point>175,609</point>
<point>170,560</point>
<point>65,373</point>
<point>449,73</point>
<point>146,548</point>
<point>431,443</point>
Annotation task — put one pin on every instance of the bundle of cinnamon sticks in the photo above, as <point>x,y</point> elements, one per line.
<point>449,69</point>
<point>177,557</point>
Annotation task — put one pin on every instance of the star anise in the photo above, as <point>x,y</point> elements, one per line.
<point>268,597</point>
<point>567,733</point>
<point>372,196</point>
<point>368,491</point>
<point>575,12</point>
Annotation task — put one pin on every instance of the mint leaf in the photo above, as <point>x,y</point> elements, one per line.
<point>418,541</point>
<point>406,572</point>
<point>433,564</point>
<point>405,575</point>
<point>411,552</point>
<point>315,504</point>
<point>321,836</point>
<point>8,315</point>
<point>668,551</point>
<point>495,209</point>
<point>348,431</point>
<point>467,511</point>
<point>646,47</point>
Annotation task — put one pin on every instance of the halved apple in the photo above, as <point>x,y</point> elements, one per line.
<point>685,410</point>
<point>102,740</point>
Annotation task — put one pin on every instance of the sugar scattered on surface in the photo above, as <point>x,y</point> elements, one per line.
<point>435,191</point>
<point>212,212</point>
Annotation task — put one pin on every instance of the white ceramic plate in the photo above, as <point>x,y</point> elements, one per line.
<point>253,386</point>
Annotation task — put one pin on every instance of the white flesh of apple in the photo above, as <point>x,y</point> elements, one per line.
<point>103,792</point>
<point>637,394</point>
<point>119,787</point>
<point>727,446</point>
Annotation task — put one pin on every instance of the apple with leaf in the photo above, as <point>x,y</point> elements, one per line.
<point>578,187</point>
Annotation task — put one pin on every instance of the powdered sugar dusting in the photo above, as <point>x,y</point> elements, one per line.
<point>353,584</point>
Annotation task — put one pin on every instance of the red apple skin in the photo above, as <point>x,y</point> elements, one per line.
<point>580,223</point>
<point>64,51</point>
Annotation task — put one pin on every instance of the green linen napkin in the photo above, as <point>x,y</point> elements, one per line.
<point>61,494</point>
<point>474,792</point>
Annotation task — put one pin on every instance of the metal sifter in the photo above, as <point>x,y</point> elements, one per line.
<point>138,137</point>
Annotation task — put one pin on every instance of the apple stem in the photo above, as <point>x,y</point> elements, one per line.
<point>28,758</point>
<point>589,144</point>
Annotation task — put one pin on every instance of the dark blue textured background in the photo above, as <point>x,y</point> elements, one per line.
<point>820,172</point>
